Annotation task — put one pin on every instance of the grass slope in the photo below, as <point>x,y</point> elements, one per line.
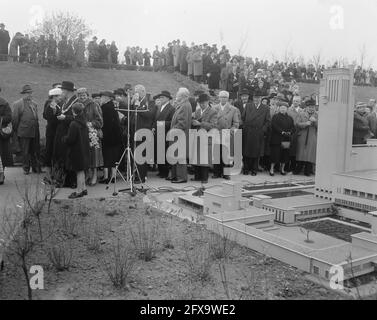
<point>14,76</point>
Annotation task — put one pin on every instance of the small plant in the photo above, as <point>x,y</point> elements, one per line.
<point>145,240</point>
<point>199,262</point>
<point>221,247</point>
<point>92,237</point>
<point>121,264</point>
<point>60,255</point>
<point>166,234</point>
<point>69,223</point>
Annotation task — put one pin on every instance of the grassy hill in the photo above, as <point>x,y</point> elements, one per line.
<point>14,76</point>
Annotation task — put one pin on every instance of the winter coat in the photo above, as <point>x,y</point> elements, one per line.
<point>25,119</point>
<point>306,138</point>
<point>281,123</point>
<point>4,41</point>
<point>5,119</point>
<point>214,78</point>
<point>256,122</point>
<point>77,141</point>
<point>361,130</point>
<point>198,63</point>
<point>111,126</point>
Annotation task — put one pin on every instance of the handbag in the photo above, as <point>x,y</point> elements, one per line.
<point>6,132</point>
<point>285,144</point>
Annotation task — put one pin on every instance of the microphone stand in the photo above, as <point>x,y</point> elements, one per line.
<point>130,176</point>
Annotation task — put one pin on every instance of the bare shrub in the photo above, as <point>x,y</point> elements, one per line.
<point>145,239</point>
<point>92,236</point>
<point>199,261</point>
<point>120,263</point>
<point>60,255</point>
<point>69,223</point>
<point>167,235</point>
<point>221,247</point>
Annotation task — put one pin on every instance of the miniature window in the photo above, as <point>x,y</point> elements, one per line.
<point>362,194</point>
<point>216,204</point>
<point>370,196</point>
<point>347,191</point>
<point>354,193</point>
<point>316,270</point>
<point>327,275</point>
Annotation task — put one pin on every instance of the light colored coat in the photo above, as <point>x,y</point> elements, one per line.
<point>182,120</point>
<point>25,119</point>
<point>306,138</point>
<point>198,63</point>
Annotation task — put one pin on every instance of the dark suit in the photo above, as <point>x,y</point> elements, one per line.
<point>165,116</point>
<point>144,119</point>
<point>256,122</point>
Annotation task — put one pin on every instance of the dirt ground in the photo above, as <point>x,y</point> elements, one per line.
<point>184,265</point>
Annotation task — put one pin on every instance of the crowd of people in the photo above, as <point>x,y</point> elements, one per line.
<point>87,133</point>
<point>201,62</point>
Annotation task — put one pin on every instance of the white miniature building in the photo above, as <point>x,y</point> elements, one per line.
<point>225,198</point>
<point>345,173</point>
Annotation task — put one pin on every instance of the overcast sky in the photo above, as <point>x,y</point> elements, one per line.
<point>337,28</point>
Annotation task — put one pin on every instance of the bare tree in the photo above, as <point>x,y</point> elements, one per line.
<point>363,55</point>
<point>317,59</point>
<point>243,44</point>
<point>62,24</point>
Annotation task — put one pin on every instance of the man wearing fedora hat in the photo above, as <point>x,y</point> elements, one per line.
<point>164,116</point>
<point>26,125</point>
<point>4,42</point>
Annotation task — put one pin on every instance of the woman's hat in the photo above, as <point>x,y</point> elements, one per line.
<point>82,90</point>
<point>26,89</point>
<point>55,92</point>
<point>67,85</point>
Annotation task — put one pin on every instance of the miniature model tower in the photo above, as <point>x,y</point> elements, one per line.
<point>335,127</point>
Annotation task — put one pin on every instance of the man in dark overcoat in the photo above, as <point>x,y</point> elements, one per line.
<point>164,116</point>
<point>4,42</point>
<point>256,121</point>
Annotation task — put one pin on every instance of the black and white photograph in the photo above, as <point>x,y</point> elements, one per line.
<point>190,155</point>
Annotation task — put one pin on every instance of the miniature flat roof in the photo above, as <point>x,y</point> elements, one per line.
<point>241,214</point>
<point>364,174</point>
<point>366,236</point>
<point>325,248</point>
<point>297,201</point>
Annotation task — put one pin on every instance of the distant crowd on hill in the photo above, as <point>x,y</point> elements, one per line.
<point>203,63</point>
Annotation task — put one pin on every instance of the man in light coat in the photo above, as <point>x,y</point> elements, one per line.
<point>228,117</point>
<point>181,124</point>
<point>372,118</point>
<point>26,125</point>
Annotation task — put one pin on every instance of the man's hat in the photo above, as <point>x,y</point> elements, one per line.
<point>2,24</point>
<point>96,95</point>
<point>163,94</point>
<point>107,94</point>
<point>245,92</point>
<point>67,85</point>
<point>26,89</point>
<point>203,98</point>
<point>310,103</point>
<point>198,92</point>
<point>120,92</point>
